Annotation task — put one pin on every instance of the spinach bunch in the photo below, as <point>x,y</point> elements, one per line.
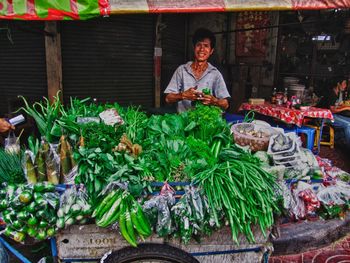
<point>204,122</point>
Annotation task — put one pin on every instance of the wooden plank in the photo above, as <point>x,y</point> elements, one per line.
<point>53,60</point>
<point>157,62</point>
<point>92,242</point>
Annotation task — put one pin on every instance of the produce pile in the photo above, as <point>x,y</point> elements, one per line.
<point>113,155</point>
<point>29,210</point>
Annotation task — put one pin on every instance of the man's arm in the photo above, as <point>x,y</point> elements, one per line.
<point>5,126</point>
<point>190,94</point>
<point>211,100</point>
<point>339,109</point>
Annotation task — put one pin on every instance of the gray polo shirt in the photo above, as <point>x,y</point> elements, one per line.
<point>183,79</point>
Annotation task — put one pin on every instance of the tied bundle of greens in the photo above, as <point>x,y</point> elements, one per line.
<point>11,167</point>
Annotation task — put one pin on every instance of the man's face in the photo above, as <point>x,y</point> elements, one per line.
<point>343,85</point>
<point>203,50</point>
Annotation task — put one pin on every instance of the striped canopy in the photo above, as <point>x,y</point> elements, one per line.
<point>84,9</point>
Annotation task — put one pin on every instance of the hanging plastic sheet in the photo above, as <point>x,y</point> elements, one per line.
<point>85,9</point>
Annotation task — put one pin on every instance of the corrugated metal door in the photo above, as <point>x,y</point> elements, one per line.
<point>173,45</point>
<point>22,63</point>
<point>110,59</point>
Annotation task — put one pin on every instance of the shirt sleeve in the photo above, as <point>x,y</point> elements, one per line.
<point>220,90</point>
<point>175,84</point>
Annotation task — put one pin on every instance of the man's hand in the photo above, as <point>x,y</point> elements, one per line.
<point>208,100</point>
<point>5,126</point>
<point>191,94</point>
<point>211,100</point>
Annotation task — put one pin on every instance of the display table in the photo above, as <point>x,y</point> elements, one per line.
<point>287,115</point>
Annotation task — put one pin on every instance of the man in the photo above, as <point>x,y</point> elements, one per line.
<point>5,126</point>
<point>340,113</point>
<point>190,79</point>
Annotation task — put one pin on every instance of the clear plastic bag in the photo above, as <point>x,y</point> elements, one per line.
<point>158,209</point>
<point>12,144</point>
<point>29,167</point>
<point>337,194</point>
<point>74,207</point>
<point>305,201</point>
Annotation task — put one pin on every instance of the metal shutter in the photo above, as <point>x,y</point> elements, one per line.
<point>173,45</point>
<point>22,63</point>
<point>110,59</point>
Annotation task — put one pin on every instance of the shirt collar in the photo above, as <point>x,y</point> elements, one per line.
<point>189,70</point>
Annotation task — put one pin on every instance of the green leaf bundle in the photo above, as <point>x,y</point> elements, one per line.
<point>11,168</point>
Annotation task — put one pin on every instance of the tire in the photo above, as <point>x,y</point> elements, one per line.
<point>150,253</point>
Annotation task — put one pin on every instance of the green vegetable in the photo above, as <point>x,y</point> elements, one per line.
<point>32,232</point>
<point>32,221</point>
<point>41,235</point>
<point>11,167</point>
<point>41,166</point>
<point>25,197</point>
<point>60,222</point>
<point>41,187</point>
<point>124,230</point>
<point>30,170</point>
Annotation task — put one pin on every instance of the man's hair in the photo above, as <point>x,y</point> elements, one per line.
<point>335,80</point>
<point>203,33</point>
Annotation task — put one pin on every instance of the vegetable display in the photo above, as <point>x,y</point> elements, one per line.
<point>114,154</point>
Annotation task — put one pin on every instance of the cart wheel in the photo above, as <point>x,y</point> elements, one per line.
<point>149,253</point>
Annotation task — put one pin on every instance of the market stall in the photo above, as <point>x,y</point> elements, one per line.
<point>106,166</point>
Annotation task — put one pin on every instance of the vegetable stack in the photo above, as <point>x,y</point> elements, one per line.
<point>119,206</point>
<point>74,207</point>
<point>29,211</point>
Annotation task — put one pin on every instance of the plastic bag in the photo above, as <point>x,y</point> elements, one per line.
<point>158,209</point>
<point>52,161</point>
<point>29,167</point>
<point>12,144</point>
<point>74,207</point>
<point>305,201</point>
<point>337,194</point>
<point>191,215</point>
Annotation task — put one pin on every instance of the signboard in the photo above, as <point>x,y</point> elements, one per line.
<point>250,42</point>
